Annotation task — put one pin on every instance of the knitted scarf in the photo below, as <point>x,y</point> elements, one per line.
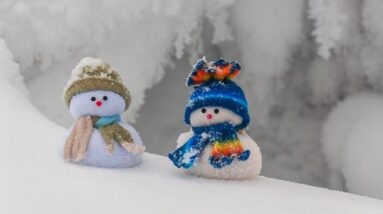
<point>110,130</point>
<point>226,147</point>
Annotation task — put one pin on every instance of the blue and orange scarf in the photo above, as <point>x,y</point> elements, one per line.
<point>226,147</point>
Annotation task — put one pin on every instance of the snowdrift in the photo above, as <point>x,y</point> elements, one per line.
<point>352,142</point>
<point>34,179</point>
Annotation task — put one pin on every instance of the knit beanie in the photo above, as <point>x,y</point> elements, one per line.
<point>93,74</point>
<point>213,87</point>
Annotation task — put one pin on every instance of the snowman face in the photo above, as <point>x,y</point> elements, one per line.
<point>97,103</point>
<point>207,116</point>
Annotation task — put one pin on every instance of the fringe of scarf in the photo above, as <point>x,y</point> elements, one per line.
<point>77,142</point>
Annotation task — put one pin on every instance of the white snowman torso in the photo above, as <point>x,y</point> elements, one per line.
<point>237,170</point>
<point>97,154</point>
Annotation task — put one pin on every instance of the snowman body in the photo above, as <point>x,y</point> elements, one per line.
<point>103,104</point>
<point>237,170</point>
<point>97,155</point>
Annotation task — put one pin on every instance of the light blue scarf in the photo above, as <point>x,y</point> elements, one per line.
<point>103,121</point>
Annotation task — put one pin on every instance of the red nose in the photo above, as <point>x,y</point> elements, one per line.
<point>209,116</point>
<point>98,103</point>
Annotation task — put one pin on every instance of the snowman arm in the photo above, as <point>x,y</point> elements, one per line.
<point>184,137</point>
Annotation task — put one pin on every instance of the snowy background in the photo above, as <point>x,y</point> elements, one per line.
<point>312,72</point>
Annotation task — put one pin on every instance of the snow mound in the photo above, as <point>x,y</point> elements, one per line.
<point>352,141</point>
<point>34,179</point>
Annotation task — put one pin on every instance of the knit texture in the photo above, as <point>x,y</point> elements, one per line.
<point>225,93</point>
<point>237,170</point>
<point>111,131</point>
<point>214,87</point>
<point>89,77</point>
<point>226,147</point>
<point>78,139</point>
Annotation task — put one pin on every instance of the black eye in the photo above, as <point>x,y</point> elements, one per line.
<point>93,98</point>
<point>203,110</point>
<point>105,98</point>
<point>216,111</point>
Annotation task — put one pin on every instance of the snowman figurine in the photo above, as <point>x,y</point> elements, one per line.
<point>96,98</point>
<point>217,145</point>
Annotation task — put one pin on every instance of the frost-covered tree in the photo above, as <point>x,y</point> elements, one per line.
<point>138,37</point>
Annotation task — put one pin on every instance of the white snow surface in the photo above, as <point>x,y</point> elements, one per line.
<point>34,178</point>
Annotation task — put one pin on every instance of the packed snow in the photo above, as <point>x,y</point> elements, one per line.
<point>299,58</point>
<point>34,178</point>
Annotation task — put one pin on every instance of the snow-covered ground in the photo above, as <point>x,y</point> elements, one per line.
<point>34,178</point>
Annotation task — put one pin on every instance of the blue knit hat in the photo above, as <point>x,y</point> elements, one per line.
<point>214,87</point>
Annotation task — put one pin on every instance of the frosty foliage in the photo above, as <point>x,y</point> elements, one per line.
<point>324,78</point>
<point>48,38</point>
<point>335,22</point>
<point>372,21</point>
<point>267,36</point>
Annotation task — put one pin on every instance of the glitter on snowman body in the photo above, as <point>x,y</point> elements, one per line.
<point>217,146</point>
<point>99,137</point>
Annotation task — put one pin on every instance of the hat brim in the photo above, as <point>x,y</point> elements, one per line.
<point>235,105</point>
<point>92,84</point>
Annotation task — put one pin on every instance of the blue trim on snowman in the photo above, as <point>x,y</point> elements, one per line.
<point>225,93</point>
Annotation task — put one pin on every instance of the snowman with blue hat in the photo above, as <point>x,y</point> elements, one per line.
<point>217,145</point>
